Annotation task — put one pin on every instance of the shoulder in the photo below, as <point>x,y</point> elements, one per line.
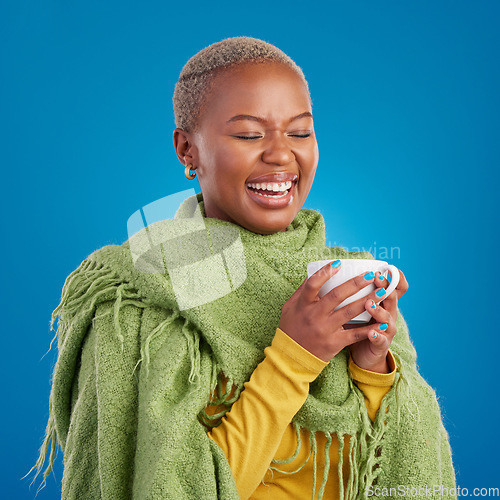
<point>97,280</point>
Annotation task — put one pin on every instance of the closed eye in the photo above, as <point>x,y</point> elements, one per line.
<point>304,135</point>
<point>247,137</point>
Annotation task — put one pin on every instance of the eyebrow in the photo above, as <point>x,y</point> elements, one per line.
<point>236,118</point>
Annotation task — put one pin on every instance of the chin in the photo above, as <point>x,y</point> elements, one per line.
<point>271,225</point>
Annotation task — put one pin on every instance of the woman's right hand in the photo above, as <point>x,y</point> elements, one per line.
<point>312,322</point>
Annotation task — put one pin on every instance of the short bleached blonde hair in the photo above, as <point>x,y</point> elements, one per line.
<point>199,72</point>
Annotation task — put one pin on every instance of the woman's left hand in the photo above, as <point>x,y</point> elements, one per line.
<point>371,354</point>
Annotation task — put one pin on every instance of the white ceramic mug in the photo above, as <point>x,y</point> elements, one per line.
<point>349,269</point>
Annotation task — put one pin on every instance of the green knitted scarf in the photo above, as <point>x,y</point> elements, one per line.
<point>146,328</point>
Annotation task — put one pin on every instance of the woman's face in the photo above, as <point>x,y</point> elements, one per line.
<point>254,147</point>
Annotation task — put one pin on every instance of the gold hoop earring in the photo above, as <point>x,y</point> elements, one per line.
<point>187,172</point>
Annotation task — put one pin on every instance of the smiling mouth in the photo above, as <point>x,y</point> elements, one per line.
<point>271,189</point>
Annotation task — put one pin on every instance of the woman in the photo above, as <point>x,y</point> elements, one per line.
<point>196,361</point>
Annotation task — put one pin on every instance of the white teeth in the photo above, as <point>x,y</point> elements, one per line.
<point>275,187</point>
<point>273,195</point>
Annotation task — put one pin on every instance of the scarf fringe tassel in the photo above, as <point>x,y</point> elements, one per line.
<point>81,290</point>
<point>365,446</point>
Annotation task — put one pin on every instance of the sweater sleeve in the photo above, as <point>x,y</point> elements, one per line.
<point>373,385</point>
<point>250,433</point>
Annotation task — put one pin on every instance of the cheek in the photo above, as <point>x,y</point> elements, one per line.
<point>233,165</point>
<point>240,156</point>
<point>308,160</point>
<point>223,172</point>
<point>315,153</point>
<point>223,157</point>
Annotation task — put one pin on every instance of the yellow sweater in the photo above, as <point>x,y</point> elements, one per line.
<point>258,429</point>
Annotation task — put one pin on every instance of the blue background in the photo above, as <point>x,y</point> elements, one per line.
<point>406,104</point>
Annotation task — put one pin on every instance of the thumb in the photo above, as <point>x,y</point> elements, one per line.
<point>379,342</point>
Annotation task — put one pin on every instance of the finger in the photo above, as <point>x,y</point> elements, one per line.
<point>381,281</point>
<point>402,285</point>
<point>337,295</point>
<point>379,314</point>
<point>390,304</point>
<point>385,320</point>
<point>313,284</point>
<point>350,311</point>
<point>384,282</point>
<point>354,335</point>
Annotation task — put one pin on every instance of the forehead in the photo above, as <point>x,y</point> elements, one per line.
<point>264,88</point>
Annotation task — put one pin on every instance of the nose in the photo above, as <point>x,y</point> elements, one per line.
<point>278,151</point>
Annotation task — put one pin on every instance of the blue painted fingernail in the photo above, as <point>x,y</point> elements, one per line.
<point>383,326</point>
<point>336,263</point>
<point>375,335</point>
<point>381,292</point>
<point>373,306</point>
<point>389,278</point>
<point>369,276</point>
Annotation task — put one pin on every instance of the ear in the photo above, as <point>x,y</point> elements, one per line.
<point>184,147</point>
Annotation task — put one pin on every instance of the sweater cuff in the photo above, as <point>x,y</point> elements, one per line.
<point>373,378</point>
<point>297,355</point>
